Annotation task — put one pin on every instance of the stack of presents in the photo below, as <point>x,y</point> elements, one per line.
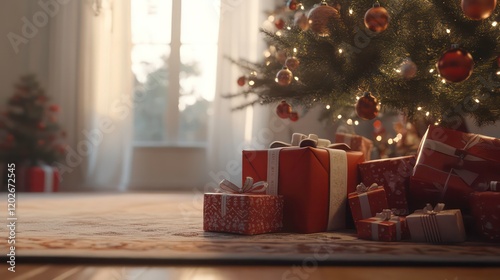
<point>447,192</point>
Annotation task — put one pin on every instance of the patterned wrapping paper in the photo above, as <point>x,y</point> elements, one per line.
<point>367,202</point>
<point>436,225</point>
<point>379,228</point>
<point>394,175</point>
<point>303,176</point>
<point>486,212</point>
<point>242,213</point>
<point>356,142</point>
<point>451,165</point>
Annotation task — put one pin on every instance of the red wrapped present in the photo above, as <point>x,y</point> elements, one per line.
<point>367,202</point>
<point>313,181</point>
<point>451,165</point>
<point>42,178</point>
<point>435,225</point>
<point>486,211</point>
<point>383,227</point>
<point>356,142</point>
<point>243,211</point>
<point>394,174</point>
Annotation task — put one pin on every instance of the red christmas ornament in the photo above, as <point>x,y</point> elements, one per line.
<point>367,107</point>
<point>292,63</point>
<point>377,18</point>
<point>478,9</point>
<point>279,23</point>
<point>54,108</point>
<point>294,116</point>
<point>320,17</point>
<point>300,20</point>
<point>242,81</point>
<point>292,4</point>
<point>283,110</point>
<point>455,65</point>
<point>9,138</point>
<point>284,76</point>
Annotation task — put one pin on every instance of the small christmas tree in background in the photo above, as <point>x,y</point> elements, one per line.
<point>29,132</point>
<point>428,59</point>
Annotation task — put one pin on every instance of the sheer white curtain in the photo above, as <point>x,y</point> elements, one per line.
<point>230,132</point>
<point>96,95</point>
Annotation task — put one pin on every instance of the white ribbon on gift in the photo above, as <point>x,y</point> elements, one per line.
<point>338,182</point>
<point>385,215</point>
<point>48,177</point>
<point>362,191</point>
<point>302,140</point>
<point>227,187</point>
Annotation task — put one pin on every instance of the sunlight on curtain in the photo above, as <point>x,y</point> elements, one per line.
<point>230,132</point>
<point>105,92</point>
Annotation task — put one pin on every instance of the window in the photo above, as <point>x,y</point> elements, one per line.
<point>174,56</point>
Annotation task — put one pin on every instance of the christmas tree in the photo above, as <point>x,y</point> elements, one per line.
<point>29,132</point>
<point>430,59</point>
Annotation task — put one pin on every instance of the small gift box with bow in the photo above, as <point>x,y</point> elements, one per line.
<point>385,226</point>
<point>356,142</point>
<point>313,176</point>
<point>486,211</point>
<point>435,225</point>
<point>451,165</point>
<point>366,202</point>
<point>394,174</point>
<point>246,210</point>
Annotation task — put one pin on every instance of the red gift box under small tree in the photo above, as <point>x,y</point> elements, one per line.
<point>30,135</point>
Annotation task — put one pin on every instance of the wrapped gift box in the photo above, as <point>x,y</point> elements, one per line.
<point>367,202</point>
<point>356,142</point>
<point>486,212</point>
<point>242,213</point>
<point>313,181</point>
<point>436,225</point>
<point>41,178</point>
<point>382,228</point>
<point>394,174</point>
<point>451,165</point>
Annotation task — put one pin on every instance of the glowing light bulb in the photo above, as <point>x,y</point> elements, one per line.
<point>339,117</point>
<point>351,11</point>
<point>431,71</point>
<point>294,50</point>
<point>349,122</point>
<point>494,23</point>
<point>296,78</point>
<point>328,107</point>
<point>443,81</point>
<point>448,30</point>
<point>390,141</point>
<point>270,18</point>
<point>419,108</point>
<point>278,33</point>
<point>427,114</point>
<point>251,83</point>
<point>477,100</point>
<point>378,138</point>
<point>356,123</point>
<point>341,50</point>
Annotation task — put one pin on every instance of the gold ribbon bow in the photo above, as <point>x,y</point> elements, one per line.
<point>248,187</point>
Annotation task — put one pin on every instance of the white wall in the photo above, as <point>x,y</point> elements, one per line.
<point>31,57</point>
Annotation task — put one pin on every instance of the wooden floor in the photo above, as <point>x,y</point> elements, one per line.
<point>75,272</point>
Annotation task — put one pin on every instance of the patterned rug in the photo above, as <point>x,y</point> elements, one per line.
<point>167,228</point>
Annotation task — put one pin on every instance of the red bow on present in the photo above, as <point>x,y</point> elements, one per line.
<point>249,186</point>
